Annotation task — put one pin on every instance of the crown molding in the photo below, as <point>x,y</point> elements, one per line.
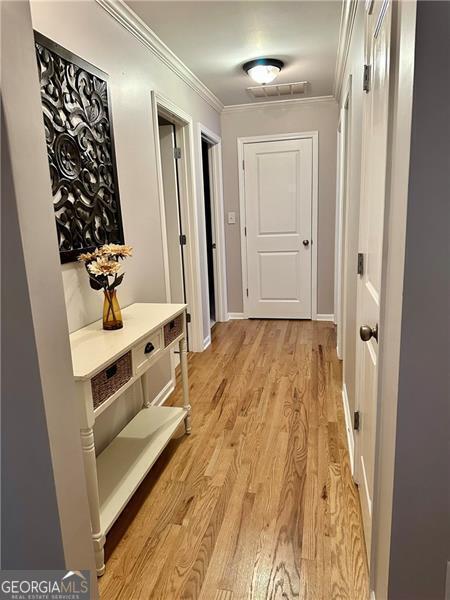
<point>124,15</point>
<point>276,103</point>
<point>348,15</point>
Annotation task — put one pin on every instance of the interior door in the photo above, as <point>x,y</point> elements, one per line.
<point>172,212</point>
<point>373,185</point>
<point>278,199</point>
<point>174,217</point>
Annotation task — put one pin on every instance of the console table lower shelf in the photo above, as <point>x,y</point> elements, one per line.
<point>106,364</point>
<point>123,465</point>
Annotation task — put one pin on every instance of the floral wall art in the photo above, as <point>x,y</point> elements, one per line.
<point>80,148</point>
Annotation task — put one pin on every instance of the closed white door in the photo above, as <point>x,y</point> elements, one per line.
<point>373,193</point>
<point>278,199</point>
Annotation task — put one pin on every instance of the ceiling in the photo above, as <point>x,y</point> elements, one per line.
<point>214,39</point>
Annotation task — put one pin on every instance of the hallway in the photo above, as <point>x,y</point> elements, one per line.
<point>259,501</point>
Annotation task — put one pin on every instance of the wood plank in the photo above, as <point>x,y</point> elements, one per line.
<point>258,503</point>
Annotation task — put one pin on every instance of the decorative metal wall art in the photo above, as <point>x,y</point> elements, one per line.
<point>80,148</point>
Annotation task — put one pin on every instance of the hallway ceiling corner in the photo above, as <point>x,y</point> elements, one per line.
<point>213,39</point>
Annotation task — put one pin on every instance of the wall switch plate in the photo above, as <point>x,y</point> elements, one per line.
<point>231,218</point>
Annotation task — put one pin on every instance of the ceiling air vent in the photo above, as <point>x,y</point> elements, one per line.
<point>278,90</point>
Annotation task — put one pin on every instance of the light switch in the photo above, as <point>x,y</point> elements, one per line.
<point>231,218</point>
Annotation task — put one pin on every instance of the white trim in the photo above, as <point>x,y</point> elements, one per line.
<point>162,396</point>
<point>275,103</point>
<point>324,317</point>
<point>348,15</point>
<point>349,428</point>
<point>235,316</point>
<point>188,192</point>
<point>341,218</point>
<point>217,192</point>
<point>336,227</point>
<point>206,342</point>
<point>372,595</point>
<point>314,135</point>
<point>124,15</point>
<point>162,209</point>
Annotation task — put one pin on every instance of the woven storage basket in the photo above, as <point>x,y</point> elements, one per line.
<point>173,329</point>
<point>108,381</point>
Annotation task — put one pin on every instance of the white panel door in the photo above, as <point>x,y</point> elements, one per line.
<point>373,185</point>
<point>172,213</point>
<point>278,199</point>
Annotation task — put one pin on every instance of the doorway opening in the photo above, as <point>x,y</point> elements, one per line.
<point>209,230</point>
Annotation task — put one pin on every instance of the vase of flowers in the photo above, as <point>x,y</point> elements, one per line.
<point>103,268</point>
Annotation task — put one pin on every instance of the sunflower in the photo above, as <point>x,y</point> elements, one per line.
<point>103,266</point>
<point>88,256</point>
<point>119,250</point>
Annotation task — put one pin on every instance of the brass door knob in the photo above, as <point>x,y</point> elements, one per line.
<point>366,332</point>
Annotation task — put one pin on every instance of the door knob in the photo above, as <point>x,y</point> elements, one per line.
<point>306,243</point>
<point>366,332</point>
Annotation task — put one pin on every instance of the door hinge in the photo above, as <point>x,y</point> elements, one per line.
<point>243,165</point>
<point>360,269</point>
<point>356,420</point>
<point>366,78</point>
<point>247,292</point>
<point>188,317</point>
<point>183,240</point>
<point>245,231</point>
<point>177,153</point>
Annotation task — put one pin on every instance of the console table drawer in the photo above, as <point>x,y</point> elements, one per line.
<point>146,351</point>
<point>111,379</point>
<point>173,329</point>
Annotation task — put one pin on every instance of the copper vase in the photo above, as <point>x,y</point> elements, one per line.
<point>112,317</point>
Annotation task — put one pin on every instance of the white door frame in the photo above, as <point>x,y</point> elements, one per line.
<point>216,184</point>
<point>188,195</point>
<point>314,136</point>
<point>343,161</point>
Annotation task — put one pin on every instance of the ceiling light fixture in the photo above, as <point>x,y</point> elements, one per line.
<point>263,70</point>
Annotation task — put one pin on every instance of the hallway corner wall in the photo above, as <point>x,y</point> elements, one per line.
<point>296,117</point>
<point>134,71</point>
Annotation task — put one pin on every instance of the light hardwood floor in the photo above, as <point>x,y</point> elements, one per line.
<point>258,503</point>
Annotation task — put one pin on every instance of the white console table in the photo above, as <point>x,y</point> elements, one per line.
<point>105,364</point>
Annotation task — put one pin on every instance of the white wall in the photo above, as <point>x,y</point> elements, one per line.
<point>420,535</point>
<point>273,119</point>
<point>45,517</point>
<point>134,71</point>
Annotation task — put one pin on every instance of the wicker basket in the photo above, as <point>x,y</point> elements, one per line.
<point>108,381</point>
<point>172,330</point>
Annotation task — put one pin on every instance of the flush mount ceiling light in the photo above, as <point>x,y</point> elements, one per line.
<point>263,70</point>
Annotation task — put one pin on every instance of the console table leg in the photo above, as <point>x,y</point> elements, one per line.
<point>144,388</point>
<point>90,465</point>
<point>185,381</point>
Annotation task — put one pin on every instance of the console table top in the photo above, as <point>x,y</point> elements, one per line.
<point>93,349</point>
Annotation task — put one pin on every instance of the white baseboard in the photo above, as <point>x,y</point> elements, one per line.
<point>164,394</point>
<point>349,428</point>
<point>206,342</point>
<point>233,316</point>
<point>324,317</point>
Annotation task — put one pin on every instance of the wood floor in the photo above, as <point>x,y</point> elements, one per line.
<point>258,503</point>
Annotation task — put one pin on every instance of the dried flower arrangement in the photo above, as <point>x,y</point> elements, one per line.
<point>103,268</point>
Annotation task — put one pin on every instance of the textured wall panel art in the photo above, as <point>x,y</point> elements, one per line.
<point>80,148</point>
